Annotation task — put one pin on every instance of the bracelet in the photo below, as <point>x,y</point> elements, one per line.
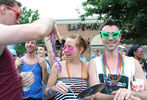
<point>50,93</point>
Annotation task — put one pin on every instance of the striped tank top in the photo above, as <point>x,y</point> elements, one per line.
<point>72,93</point>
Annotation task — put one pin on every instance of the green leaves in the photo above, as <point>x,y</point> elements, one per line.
<point>132,14</point>
<point>28,15</point>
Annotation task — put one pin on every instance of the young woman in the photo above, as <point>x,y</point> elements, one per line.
<point>73,77</point>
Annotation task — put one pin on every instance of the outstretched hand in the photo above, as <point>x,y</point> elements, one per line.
<point>124,94</point>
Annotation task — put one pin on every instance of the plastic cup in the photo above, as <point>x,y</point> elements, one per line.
<point>137,85</point>
<point>26,92</point>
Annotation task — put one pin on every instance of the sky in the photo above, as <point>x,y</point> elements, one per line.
<point>57,9</point>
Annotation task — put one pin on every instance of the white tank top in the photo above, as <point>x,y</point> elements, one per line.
<point>124,82</point>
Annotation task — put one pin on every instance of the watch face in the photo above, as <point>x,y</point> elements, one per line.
<point>91,90</point>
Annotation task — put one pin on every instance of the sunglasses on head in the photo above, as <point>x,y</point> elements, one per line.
<point>106,35</point>
<point>141,51</point>
<point>69,48</point>
<point>18,13</point>
<point>123,49</point>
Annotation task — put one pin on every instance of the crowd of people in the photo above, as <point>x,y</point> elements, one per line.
<point>122,70</point>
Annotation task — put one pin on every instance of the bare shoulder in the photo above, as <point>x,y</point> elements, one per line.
<point>92,64</point>
<point>57,65</point>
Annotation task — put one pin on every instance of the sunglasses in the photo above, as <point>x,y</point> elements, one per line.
<point>69,48</point>
<point>18,13</point>
<point>140,51</point>
<point>123,49</point>
<point>106,35</point>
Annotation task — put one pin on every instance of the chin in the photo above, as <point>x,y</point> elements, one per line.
<point>111,48</point>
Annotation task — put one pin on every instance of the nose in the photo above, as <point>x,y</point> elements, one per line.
<point>66,49</point>
<point>110,37</point>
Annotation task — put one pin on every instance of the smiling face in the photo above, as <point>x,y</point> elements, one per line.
<point>139,53</point>
<point>41,51</point>
<point>31,46</point>
<point>71,51</point>
<point>110,43</point>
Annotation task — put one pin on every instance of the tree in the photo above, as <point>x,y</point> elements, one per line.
<point>132,14</point>
<point>27,16</point>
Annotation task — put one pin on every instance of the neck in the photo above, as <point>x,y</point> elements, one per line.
<point>31,55</point>
<point>74,61</point>
<point>137,59</point>
<point>111,55</point>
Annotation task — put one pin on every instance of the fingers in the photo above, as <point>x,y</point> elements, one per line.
<point>61,87</point>
<point>122,94</point>
<point>27,78</point>
<point>56,33</point>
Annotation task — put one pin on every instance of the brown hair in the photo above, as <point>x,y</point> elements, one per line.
<point>110,22</point>
<point>11,3</point>
<point>80,42</point>
<point>42,45</point>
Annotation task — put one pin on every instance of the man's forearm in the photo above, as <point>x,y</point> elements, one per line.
<point>100,96</point>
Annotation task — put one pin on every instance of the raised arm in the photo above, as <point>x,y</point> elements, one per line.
<point>50,52</point>
<point>24,32</point>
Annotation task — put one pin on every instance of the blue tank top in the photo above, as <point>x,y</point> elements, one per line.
<point>36,87</point>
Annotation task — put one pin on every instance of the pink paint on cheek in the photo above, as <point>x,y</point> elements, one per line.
<point>71,49</point>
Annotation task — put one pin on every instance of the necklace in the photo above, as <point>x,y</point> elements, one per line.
<point>117,77</point>
<point>82,69</point>
<point>106,77</point>
<point>118,73</point>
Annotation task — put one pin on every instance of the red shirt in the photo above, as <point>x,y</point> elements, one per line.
<point>10,88</point>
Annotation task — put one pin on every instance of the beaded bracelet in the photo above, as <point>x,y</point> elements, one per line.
<point>50,93</point>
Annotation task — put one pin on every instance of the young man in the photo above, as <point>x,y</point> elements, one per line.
<point>37,65</point>
<point>116,71</point>
<point>10,87</point>
<point>41,52</point>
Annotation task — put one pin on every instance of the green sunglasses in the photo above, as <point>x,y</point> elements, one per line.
<point>106,35</point>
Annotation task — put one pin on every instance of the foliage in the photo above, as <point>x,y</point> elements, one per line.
<point>132,14</point>
<point>27,16</point>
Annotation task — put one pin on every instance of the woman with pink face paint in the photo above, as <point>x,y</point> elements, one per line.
<point>72,79</point>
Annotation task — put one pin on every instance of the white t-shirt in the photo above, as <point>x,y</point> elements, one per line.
<point>125,80</point>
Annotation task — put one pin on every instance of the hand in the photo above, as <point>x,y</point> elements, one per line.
<point>18,63</point>
<point>42,63</point>
<point>55,33</point>
<point>60,87</point>
<point>122,94</point>
<point>27,78</point>
<point>46,23</point>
